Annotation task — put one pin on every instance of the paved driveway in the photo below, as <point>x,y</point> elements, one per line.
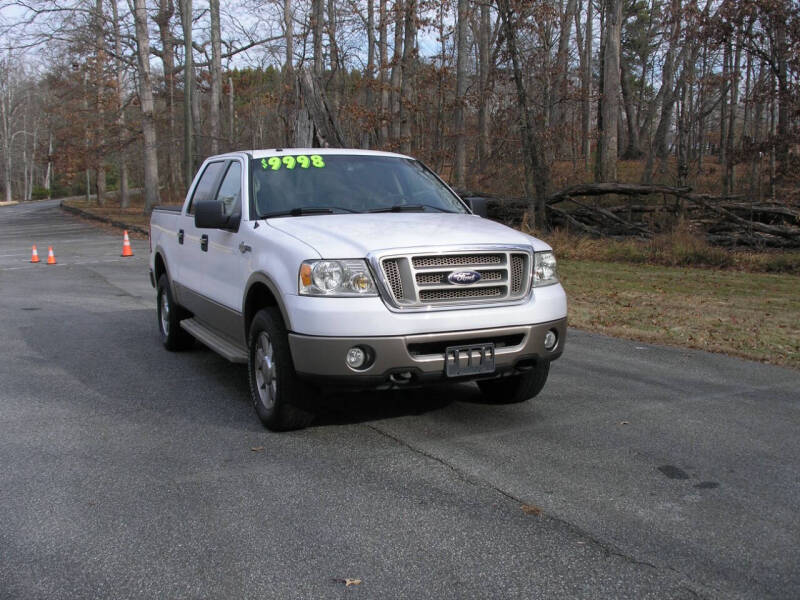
<point>129,471</point>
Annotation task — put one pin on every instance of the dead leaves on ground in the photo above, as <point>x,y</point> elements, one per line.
<point>347,582</point>
<point>530,509</point>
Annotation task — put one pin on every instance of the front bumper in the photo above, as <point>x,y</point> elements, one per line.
<point>420,358</point>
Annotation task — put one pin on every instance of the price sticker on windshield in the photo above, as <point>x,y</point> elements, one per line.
<point>276,163</point>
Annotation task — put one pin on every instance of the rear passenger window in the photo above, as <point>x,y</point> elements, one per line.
<point>206,187</point>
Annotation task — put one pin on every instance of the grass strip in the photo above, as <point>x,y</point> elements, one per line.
<point>751,315</point>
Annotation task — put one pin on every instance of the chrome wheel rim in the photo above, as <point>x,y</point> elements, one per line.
<point>164,312</point>
<point>266,375</point>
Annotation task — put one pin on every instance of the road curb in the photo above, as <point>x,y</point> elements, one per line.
<point>113,222</point>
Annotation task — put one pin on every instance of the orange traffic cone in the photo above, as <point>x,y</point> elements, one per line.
<point>34,255</point>
<point>126,245</point>
<point>51,258</point>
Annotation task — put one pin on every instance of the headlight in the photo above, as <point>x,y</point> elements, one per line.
<point>336,278</point>
<point>544,269</point>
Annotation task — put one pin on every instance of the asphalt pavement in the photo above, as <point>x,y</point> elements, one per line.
<point>127,471</point>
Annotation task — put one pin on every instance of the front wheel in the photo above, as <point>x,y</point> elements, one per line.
<point>278,394</point>
<point>517,388</point>
<point>173,336</point>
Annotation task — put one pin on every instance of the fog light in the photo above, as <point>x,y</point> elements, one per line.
<point>550,339</point>
<point>356,357</point>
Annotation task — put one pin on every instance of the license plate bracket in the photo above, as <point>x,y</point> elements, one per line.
<point>472,359</point>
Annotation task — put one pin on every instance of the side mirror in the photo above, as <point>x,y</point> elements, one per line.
<point>478,205</point>
<point>210,214</point>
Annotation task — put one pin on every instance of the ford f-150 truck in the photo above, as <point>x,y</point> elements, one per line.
<point>321,268</point>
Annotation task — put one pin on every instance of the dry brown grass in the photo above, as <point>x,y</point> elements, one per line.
<point>133,215</point>
<point>678,248</point>
<point>752,315</point>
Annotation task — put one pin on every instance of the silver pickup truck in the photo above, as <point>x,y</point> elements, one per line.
<point>352,268</point>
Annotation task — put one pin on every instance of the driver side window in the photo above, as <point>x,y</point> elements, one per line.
<point>230,191</point>
<point>205,187</point>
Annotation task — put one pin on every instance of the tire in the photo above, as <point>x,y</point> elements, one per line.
<point>169,315</point>
<point>517,388</point>
<point>280,397</point>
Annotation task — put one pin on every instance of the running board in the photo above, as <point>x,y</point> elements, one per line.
<point>219,344</point>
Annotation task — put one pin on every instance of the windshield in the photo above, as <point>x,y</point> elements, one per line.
<point>318,184</point>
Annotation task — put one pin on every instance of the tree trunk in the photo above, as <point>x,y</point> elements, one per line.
<point>586,91</point>
<point>48,174</point>
<point>326,130</point>
<point>397,68</point>
<point>409,62</point>
<point>633,149</point>
<point>290,113</point>
<point>99,138</point>
<point>559,106</point>
<point>484,38</point>
<point>216,76</point>
<point>124,195</point>
<point>537,170</point>
<point>188,94</point>
<point>665,97</point>
<point>367,134</point>
<point>606,166</point>
<point>317,22</point>
<point>335,81</point>
<point>785,96</point>
<point>151,196</point>
<point>166,10</point>
<point>384,65</point>
<point>231,114</point>
<point>460,167</point>
<point>730,175</point>
<point>723,117</point>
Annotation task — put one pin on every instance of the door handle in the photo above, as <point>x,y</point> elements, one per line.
<point>204,243</point>
<point>180,236</point>
<point>244,247</point>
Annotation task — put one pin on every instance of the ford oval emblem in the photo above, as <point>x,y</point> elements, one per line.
<point>464,277</point>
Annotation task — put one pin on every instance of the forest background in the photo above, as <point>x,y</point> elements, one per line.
<point>511,98</point>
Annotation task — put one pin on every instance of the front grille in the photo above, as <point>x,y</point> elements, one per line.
<point>457,260</point>
<point>422,280</point>
<point>517,272</point>
<point>461,293</point>
<point>392,271</point>
<point>440,277</point>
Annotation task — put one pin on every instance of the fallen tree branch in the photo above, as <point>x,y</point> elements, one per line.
<point>703,200</point>
<point>568,217</point>
<point>613,217</point>
<point>626,189</point>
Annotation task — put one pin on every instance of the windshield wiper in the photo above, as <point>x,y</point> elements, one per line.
<point>407,208</point>
<point>307,210</point>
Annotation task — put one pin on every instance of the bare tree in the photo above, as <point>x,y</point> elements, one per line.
<point>460,170</point>
<point>9,106</point>
<point>166,11</point>
<point>607,147</point>
<point>99,82</point>
<point>409,65</point>
<point>124,195</point>
<point>151,195</point>
<point>216,75</point>
<point>537,170</point>
<point>188,93</point>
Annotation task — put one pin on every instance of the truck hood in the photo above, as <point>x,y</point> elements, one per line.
<point>356,235</point>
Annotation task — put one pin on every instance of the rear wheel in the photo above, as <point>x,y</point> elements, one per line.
<point>279,396</point>
<point>169,316</point>
<point>517,388</point>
